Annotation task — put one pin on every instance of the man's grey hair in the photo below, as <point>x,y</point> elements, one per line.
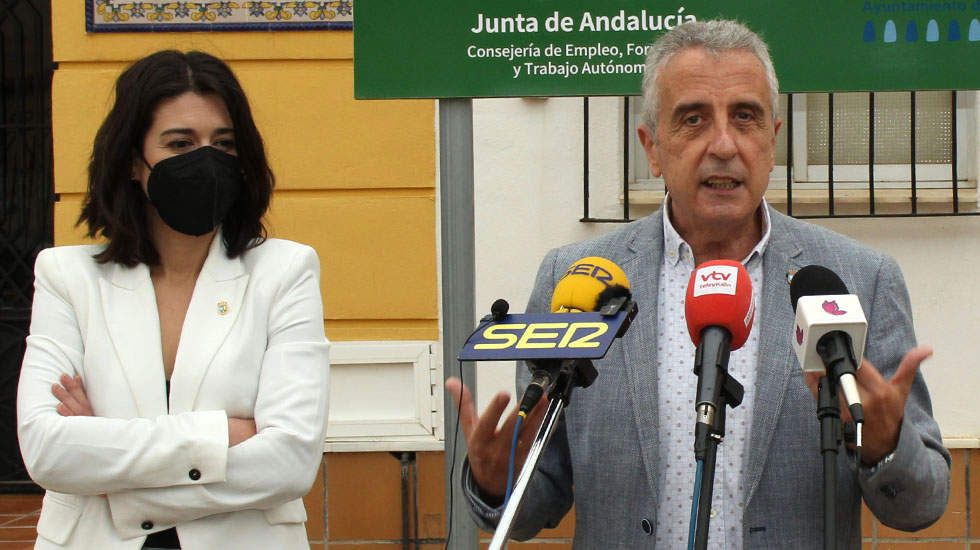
<point>716,36</point>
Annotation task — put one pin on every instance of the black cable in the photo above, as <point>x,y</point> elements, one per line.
<point>452,467</point>
<point>498,309</point>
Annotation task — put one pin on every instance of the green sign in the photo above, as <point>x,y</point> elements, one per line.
<point>516,48</point>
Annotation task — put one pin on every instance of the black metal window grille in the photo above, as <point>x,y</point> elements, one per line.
<point>26,199</point>
<point>869,154</point>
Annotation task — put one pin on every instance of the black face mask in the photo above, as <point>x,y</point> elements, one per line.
<point>193,192</point>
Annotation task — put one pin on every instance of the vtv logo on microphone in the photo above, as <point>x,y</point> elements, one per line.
<point>715,276</point>
<point>715,279</point>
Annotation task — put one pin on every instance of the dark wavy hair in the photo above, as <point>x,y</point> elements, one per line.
<point>115,206</point>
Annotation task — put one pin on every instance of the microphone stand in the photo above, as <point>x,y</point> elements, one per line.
<point>572,373</point>
<point>709,431</point>
<point>828,411</point>
<point>707,453</point>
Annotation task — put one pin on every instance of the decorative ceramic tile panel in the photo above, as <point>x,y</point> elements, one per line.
<point>157,16</point>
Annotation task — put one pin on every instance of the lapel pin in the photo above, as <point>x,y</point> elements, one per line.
<point>222,308</point>
<point>790,274</point>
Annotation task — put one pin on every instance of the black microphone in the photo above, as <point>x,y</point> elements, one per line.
<point>499,309</point>
<point>830,331</point>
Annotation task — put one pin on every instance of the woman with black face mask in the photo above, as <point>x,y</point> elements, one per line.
<point>174,388</point>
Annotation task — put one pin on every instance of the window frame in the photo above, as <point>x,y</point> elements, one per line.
<point>846,176</point>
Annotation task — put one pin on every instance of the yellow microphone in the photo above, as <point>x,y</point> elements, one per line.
<point>588,285</point>
<point>586,282</point>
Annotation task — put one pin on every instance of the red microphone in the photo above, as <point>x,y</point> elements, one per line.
<point>719,294</point>
<point>719,310</point>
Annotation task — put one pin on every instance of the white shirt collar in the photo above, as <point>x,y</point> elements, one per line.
<point>675,247</point>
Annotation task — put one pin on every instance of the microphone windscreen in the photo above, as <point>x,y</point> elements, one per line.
<point>815,280</point>
<point>610,293</point>
<point>719,294</point>
<point>583,283</point>
<point>499,309</point>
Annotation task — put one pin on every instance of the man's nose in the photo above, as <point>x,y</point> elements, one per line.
<point>722,143</point>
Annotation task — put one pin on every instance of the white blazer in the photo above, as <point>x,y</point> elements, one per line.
<point>252,346</point>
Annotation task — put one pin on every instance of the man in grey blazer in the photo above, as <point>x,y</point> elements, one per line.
<point>623,450</point>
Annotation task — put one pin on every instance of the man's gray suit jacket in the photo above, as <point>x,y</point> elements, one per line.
<point>605,453</point>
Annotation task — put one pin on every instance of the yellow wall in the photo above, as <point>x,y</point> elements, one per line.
<point>356,179</point>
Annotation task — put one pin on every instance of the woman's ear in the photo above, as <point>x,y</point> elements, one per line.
<point>137,171</point>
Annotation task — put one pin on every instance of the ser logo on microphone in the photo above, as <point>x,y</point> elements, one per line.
<point>525,336</point>
<point>597,272</point>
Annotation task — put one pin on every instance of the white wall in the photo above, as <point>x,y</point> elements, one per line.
<point>528,169</point>
<point>940,258</point>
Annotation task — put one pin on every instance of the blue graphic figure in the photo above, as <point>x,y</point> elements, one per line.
<point>954,31</point>
<point>932,31</point>
<point>911,32</point>
<point>869,31</point>
<point>974,35</point>
<point>891,34</point>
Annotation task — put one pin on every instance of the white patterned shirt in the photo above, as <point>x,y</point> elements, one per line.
<point>676,391</point>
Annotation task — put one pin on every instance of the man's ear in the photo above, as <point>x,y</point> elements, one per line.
<point>775,132</point>
<point>648,139</point>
